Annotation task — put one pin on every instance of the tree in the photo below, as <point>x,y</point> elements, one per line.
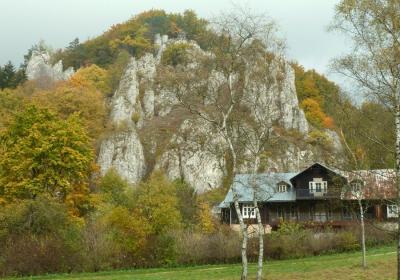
<point>92,77</point>
<point>83,94</point>
<point>206,223</point>
<point>10,77</point>
<point>43,155</point>
<point>113,188</point>
<point>215,86</point>
<point>373,63</point>
<point>157,202</point>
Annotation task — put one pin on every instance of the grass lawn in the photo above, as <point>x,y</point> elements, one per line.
<point>381,265</point>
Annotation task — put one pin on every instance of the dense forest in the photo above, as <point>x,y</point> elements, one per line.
<point>52,203</point>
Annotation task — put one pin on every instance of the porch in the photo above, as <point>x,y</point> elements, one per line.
<point>312,213</point>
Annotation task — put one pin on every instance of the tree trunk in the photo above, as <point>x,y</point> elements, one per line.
<point>260,240</point>
<point>244,241</point>
<point>364,259</point>
<point>259,221</point>
<point>243,227</point>
<point>397,116</point>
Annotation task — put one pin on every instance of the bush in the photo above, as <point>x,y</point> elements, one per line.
<point>176,54</point>
<point>194,248</point>
<point>37,236</point>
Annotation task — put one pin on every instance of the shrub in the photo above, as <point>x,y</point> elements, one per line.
<point>38,236</point>
<point>176,54</point>
<point>222,246</point>
<point>347,241</point>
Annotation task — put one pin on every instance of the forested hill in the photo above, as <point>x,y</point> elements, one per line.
<point>114,151</point>
<point>101,63</point>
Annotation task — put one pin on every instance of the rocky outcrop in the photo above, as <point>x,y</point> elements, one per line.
<point>200,163</point>
<point>123,152</point>
<point>194,151</point>
<point>40,67</point>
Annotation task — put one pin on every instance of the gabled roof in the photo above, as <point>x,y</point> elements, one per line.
<point>335,171</point>
<point>377,183</point>
<point>265,185</point>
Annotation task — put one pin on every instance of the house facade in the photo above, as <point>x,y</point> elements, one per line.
<point>316,196</point>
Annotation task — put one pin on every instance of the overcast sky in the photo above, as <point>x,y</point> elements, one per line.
<point>24,22</point>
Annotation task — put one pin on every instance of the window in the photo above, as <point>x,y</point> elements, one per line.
<point>248,211</point>
<point>356,186</point>
<point>392,211</point>
<point>282,188</point>
<point>318,186</point>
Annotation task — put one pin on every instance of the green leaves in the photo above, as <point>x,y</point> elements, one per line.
<point>42,154</point>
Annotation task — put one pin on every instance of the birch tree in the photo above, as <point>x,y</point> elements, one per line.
<point>373,62</point>
<point>212,85</point>
<point>256,133</point>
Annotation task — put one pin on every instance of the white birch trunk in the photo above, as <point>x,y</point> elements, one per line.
<point>243,227</point>
<point>260,240</point>
<point>397,120</point>
<point>259,221</point>
<point>244,241</point>
<point>363,247</point>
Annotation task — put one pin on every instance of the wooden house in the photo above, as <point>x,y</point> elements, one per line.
<point>316,196</point>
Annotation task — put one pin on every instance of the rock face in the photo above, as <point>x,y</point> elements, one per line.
<point>123,150</point>
<point>194,151</point>
<point>200,165</point>
<point>39,67</point>
<point>288,110</point>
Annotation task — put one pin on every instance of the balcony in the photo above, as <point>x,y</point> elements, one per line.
<point>307,194</point>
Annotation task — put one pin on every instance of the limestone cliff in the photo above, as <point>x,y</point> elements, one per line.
<point>40,67</point>
<point>152,132</point>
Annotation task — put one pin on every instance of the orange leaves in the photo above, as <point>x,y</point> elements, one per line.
<point>93,77</point>
<point>83,94</point>
<point>315,115</point>
<point>328,122</point>
<point>314,91</point>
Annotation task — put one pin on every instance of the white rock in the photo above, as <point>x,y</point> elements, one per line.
<point>123,152</point>
<point>124,99</point>
<point>199,164</point>
<point>196,152</point>
<point>39,66</point>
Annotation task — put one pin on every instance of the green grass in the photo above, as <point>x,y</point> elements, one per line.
<point>381,265</point>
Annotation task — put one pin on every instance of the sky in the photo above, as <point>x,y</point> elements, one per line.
<point>24,22</point>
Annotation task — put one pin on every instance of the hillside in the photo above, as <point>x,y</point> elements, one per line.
<point>148,125</point>
<point>115,151</point>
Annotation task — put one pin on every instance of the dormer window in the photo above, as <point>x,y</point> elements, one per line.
<point>318,186</point>
<point>392,211</point>
<point>282,188</point>
<point>356,185</point>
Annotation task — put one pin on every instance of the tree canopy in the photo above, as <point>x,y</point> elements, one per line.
<point>41,154</point>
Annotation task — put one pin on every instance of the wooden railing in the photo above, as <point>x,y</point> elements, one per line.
<point>307,194</point>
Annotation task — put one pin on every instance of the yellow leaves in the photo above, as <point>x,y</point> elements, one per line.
<point>157,201</point>
<point>130,230</point>
<point>137,44</point>
<point>82,94</point>
<point>312,90</point>
<point>315,115</point>
<point>44,155</point>
<point>93,77</point>
<point>206,223</point>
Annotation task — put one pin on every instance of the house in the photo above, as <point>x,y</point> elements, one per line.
<point>318,195</point>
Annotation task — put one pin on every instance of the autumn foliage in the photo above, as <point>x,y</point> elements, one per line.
<point>315,93</point>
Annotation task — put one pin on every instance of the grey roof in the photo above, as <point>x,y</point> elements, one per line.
<point>265,186</point>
